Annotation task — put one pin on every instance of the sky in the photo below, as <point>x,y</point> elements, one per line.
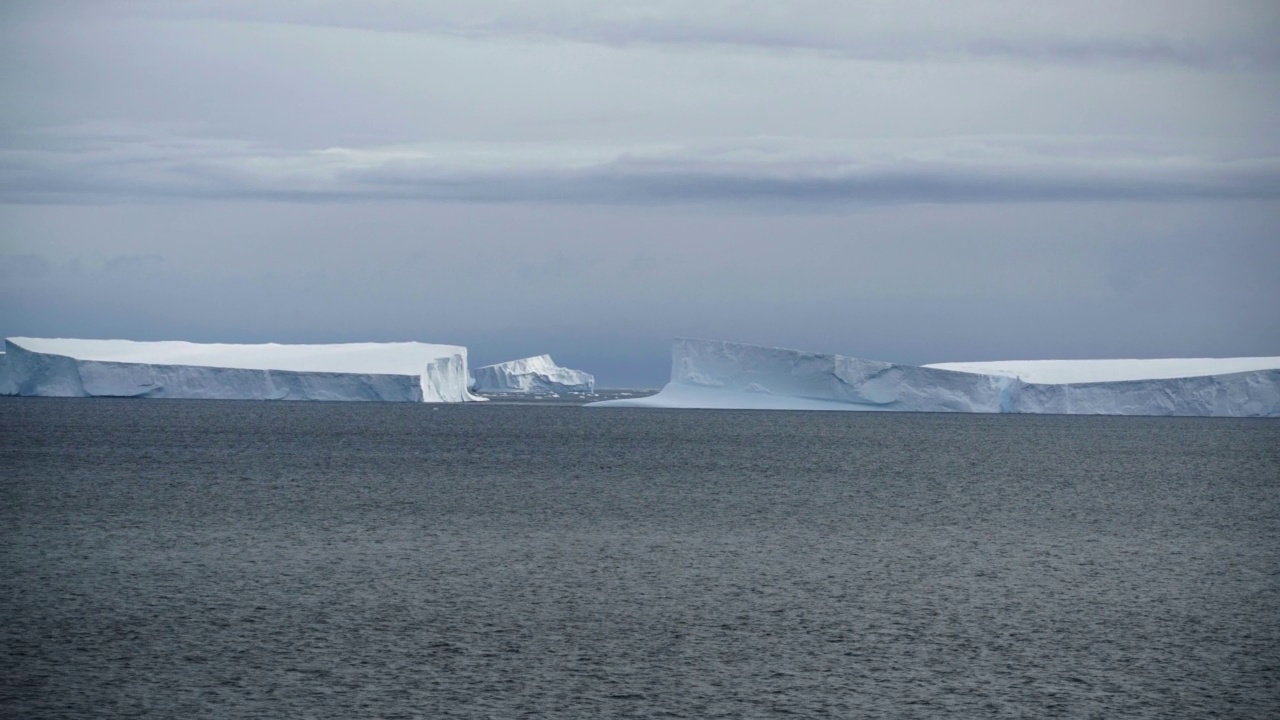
<point>906,181</point>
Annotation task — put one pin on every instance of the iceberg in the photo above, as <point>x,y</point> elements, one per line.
<point>726,375</point>
<point>397,372</point>
<point>531,376</point>
<point>6,387</point>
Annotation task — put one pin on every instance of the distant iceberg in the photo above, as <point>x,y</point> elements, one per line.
<point>725,375</point>
<point>400,372</point>
<point>531,376</point>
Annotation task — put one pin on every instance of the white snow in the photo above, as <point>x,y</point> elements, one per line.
<point>724,375</point>
<point>405,371</point>
<point>531,376</point>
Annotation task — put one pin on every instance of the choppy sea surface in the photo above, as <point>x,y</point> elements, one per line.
<point>254,559</point>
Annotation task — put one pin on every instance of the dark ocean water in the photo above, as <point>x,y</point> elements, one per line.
<point>250,559</point>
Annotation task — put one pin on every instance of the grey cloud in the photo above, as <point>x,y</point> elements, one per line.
<point>134,265</point>
<point>22,266</point>
<point>300,88</point>
<point>1247,54</point>
<point>776,170</point>
<point>1192,34</point>
<point>1242,53</point>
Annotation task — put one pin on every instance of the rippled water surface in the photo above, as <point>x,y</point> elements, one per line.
<point>244,559</point>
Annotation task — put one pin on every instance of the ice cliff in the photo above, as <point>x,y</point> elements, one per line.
<point>531,376</point>
<point>6,386</point>
<point>404,372</point>
<point>714,374</point>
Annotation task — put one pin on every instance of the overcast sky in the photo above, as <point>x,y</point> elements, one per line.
<point>908,181</point>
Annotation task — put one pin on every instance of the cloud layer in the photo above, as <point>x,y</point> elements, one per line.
<point>89,168</point>
<point>1194,34</point>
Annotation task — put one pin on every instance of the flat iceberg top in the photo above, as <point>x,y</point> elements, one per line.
<point>398,358</point>
<point>1063,372</point>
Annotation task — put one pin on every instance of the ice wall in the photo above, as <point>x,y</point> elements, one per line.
<point>1246,394</point>
<point>445,379</point>
<point>6,384</point>
<point>1058,372</point>
<point>401,372</point>
<point>531,376</point>
<point>1217,387</point>
<point>715,374</point>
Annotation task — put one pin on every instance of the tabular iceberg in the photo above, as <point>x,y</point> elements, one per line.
<point>531,376</point>
<point>403,372</point>
<point>724,375</point>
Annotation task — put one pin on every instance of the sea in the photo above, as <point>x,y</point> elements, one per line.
<point>210,559</point>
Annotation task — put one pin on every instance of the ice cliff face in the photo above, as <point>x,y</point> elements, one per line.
<point>403,372</point>
<point>1216,387</point>
<point>531,376</point>
<point>6,385</point>
<point>713,374</point>
<point>1059,372</point>
<point>1246,394</point>
<point>735,375</point>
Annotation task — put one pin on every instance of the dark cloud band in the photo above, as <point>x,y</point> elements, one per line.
<point>133,171</point>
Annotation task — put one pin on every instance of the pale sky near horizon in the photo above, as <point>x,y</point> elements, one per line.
<point>908,181</point>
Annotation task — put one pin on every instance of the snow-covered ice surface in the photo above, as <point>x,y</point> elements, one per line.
<point>725,375</point>
<point>405,371</point>
<point>531,376</point>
